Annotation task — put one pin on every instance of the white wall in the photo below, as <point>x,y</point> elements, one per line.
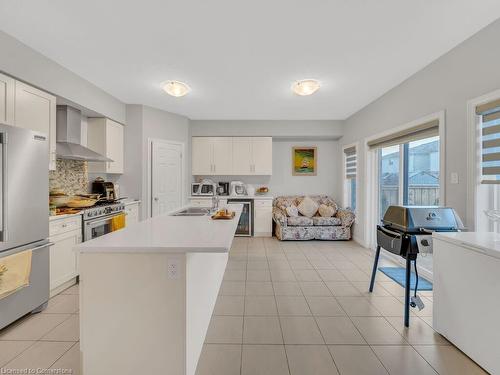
<point>468,71</point>
<point>325,182</point>
<point>28,65</point>
<point>158,124</point>
<point>144,123</point>
<point>286,128</point>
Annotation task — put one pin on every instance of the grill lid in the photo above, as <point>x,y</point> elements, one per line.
<point>417,218</point>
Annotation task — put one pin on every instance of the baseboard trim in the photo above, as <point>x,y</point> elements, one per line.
<point>63,286</point>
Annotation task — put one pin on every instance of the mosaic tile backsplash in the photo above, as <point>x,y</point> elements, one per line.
<point>71,176</point>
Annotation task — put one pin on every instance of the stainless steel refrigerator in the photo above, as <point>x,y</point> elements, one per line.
<point>24,215</point>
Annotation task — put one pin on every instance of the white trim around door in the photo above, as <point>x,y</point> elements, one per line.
<point>151,141</point>
<point>371,172</point>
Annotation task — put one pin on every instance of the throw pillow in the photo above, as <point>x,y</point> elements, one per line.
<point>326,211</point>
<point>292,211</point>
<point>308,207</point>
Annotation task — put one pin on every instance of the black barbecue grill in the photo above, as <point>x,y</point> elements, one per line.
<point>406,231</point>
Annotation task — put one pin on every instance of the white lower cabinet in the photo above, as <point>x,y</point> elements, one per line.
<point>263,218</point>
<point>64,233</point>
<point>132,212</point>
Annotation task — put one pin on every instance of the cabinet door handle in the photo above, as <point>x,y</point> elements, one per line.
<point>214,168</point>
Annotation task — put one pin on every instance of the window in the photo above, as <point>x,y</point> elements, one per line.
<point>350,167</point>
<point>408,167</point>
<point>389,177</point>
<point>409,174</point>
<point>488,163</point>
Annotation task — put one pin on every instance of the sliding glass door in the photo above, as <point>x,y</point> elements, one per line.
<point>422,172</point>
<point>389,177</point>
<point>408,174</point>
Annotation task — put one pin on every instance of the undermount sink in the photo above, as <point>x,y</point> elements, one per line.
<point>192,211</point>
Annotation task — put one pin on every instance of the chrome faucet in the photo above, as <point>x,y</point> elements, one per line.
<point>215,202</point>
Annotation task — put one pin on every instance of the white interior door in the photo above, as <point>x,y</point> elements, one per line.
<point>166,177</point>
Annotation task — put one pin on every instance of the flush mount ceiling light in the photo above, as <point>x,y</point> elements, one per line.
<point>176,88</point>
<point>305,87</point>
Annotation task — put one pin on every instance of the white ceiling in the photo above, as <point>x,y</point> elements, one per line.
<point>240,58</point>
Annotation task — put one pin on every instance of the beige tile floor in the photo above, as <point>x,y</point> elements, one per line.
<point>49,340</point>
<point>302,308</point>
<point>284,308</point>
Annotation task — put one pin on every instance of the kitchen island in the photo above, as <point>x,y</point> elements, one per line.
<point>466,285</point>
<point>147,294</point>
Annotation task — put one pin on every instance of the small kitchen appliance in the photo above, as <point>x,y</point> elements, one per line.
<point>205,187</point>
<point>407,231</point>
<point>223,188</point>
<point>238,188</point>
<point>105,188</point>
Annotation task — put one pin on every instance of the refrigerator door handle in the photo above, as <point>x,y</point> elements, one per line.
<point>3,187</point>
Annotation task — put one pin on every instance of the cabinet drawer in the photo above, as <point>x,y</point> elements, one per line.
<point>65,225</point>
<point>263,203</point>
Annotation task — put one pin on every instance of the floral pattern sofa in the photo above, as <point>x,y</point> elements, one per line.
<point>337,227</point>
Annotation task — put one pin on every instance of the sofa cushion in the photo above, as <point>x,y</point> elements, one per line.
<point>299,221</point>
<point>326,221</point>
<point>326,211</point>
<point>292,211</point>
<point>308,207</point>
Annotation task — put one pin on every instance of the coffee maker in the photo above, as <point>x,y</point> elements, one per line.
<point>223,188</point>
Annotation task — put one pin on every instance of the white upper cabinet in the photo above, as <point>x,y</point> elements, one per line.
<point>106,137</point>
<point>232,156</point>
<point>262,156</point>
<point>36,110</point>
<point>7,99</point>
<point>202,161</point>
<point>242,155</point>
<point>222,150</point>
<point>210,155</point>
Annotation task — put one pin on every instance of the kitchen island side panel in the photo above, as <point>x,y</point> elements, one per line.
<point>132,314</point>
<point>204,274</point>
<point>466,285</point>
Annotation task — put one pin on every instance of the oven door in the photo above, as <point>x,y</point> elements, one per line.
<point>98,227</point>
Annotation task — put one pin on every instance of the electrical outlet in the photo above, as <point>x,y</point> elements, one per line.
<point>173,270</point>
<point>454,177</point>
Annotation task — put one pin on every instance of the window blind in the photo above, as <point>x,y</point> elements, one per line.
<point>350,162</point>
<point>490,142</point>
<point>415,133</point>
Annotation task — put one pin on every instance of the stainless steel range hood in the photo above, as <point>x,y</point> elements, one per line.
<point>69,136</point>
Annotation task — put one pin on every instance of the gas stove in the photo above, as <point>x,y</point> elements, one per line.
<point>102,209</point>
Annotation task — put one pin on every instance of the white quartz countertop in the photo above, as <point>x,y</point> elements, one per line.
<point>169,234</point>
<point>487,243</point>
<point>256,196</point>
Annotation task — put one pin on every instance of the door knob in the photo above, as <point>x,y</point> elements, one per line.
<point>156,199</point>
